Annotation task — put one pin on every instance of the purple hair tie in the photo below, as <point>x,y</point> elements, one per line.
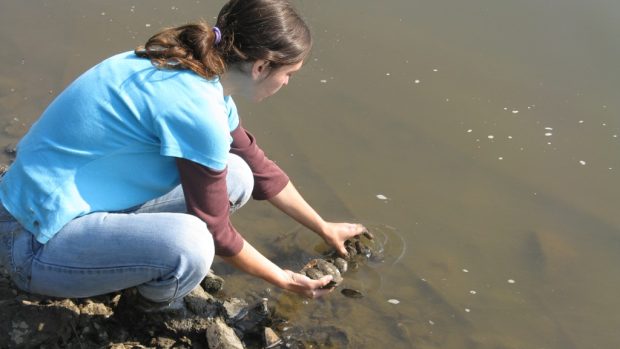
<point>218,35</point>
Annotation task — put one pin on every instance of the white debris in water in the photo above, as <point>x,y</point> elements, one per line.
<point>435,70</point>
<point>472,292</point>
<point>465,271</point>
<point>515,111</point>
<point>491,136</point>
<point>431,322</point>
<point>509,137</point>
<point>416,81</point>
<point>469,131</point>
<point>505,108</point>
<point>323,81</point>
<point>387,74</point>
<point>393,301</point>
<point>582,162</point>
<point>511,281</point>
<point>148,25</point>
<point>548,134</point>
<point>467,310</point>
<point>500,158</point>
<point>381,197</point>
<point>581,121</point>
<point>103,13</point>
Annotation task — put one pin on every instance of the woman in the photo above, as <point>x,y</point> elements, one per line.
<point>113,185</point>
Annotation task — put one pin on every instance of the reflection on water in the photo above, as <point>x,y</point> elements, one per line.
<point>483,136</point>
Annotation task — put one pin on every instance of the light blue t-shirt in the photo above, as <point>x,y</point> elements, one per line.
<point>108,142</point>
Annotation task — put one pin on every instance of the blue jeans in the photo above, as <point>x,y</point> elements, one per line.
<point>157,247</point>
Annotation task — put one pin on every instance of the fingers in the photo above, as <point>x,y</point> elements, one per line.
<point>356,229</point>
<point>342,251</point>
<point>325,280</point>
<point>321,291</point>
<point>308,287</point>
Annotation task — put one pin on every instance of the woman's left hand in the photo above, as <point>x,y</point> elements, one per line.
<point>335,234</point>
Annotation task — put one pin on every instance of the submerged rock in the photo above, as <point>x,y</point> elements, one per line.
<point>272,340</point>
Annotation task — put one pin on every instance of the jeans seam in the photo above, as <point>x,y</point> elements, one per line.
<point>83,269</point>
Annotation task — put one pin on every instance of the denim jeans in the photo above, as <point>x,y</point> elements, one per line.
<point>157,247</point>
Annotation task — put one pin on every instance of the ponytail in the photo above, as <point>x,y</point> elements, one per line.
<point>190,46</point>
<point>247,30</point>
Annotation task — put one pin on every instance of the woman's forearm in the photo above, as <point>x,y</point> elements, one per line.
<point>254,263</point>
<point>290,202</point>
<point>293,204</point>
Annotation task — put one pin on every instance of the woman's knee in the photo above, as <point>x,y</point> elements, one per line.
<point>196,246</point>
<point>240,181</point>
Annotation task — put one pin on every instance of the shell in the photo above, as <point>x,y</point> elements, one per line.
<point>351,293</point>
<point>317,268</point>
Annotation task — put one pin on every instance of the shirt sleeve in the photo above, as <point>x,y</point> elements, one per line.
<point>206,197</point>
<point>197,131</point>
<point>269,179</point>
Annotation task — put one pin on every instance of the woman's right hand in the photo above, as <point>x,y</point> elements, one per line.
<point>254,263</point>
<point>306,286</point>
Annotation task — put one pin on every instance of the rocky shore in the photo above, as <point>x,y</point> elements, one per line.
<point>113,321</point>
<point>202,320</point>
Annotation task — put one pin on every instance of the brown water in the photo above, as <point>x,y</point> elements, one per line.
<point>492,128</point>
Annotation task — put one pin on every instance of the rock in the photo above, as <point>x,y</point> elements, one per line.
<point>212,283</point>
<point>220,336</point>
<point>92,308</point>
<point>163,342</point>
<point>271,338</point>
<point>234,309</point>
<point>254,319</point>
<point>317,268</point>
<point>201,303</point>
<point>30,326</point>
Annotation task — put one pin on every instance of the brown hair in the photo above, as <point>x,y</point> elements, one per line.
<point>250,30</point>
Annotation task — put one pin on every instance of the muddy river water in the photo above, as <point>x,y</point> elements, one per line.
<point>478,139</point>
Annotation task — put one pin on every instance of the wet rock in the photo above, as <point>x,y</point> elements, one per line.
<point>201,303</point>
<point>221,336</point>
<point>317,337</point>
<point>272,340</point>
<point>363,246</point>
<point>11,150</point>
<point>317,268</point>
<point>234,309</point>
<point>341,264</point>
<point>255,318</point>
<point>213,283</point>
<point>352,293</point>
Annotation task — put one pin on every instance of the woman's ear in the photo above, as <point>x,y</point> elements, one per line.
<point>260,69</point>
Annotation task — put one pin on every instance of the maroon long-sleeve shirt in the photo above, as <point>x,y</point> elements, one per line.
<point>206,194</point>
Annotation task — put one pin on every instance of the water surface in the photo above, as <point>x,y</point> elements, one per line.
<point>491,128</point>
